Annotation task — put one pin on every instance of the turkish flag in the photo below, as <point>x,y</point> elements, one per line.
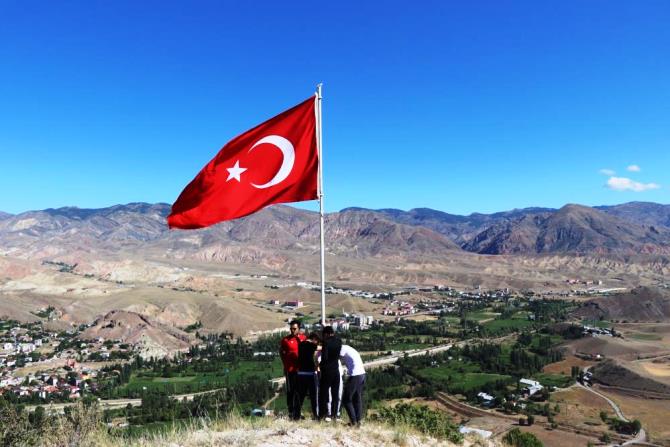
<point>275,162</point>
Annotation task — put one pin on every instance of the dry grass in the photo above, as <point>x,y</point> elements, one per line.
<point>653,413</point>
<point>580,407</point>
<point>267,432</point>
<point>83,427</point>
<point>565,366</point>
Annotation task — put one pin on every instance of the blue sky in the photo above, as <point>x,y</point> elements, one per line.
<point>457,106</point>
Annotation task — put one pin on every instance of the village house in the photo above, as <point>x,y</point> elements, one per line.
<point>532,386</point>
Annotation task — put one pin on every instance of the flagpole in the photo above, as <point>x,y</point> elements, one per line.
<point>319,143</point>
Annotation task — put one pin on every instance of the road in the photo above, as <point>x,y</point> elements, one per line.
<point>641,437</point>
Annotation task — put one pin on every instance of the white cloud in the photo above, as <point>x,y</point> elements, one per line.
<point>633,168</point>
<point>607,172</point>
<point>626,184</point>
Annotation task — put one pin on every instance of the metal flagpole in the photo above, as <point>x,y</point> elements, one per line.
<point>319,143</point>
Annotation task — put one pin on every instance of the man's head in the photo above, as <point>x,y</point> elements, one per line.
<point>294,326</point>
<point>328,332</point>
<point>314,338</point>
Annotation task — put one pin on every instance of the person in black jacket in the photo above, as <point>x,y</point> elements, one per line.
<point>329,381</point>
<point>307,376</point>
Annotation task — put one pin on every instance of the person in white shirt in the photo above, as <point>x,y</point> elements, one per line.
<point>352,397</point>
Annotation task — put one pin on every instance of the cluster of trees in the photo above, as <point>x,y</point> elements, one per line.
<point>620,426</point>
<point>491,358</point>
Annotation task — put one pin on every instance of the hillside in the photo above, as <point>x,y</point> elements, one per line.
<point>38,234</point>
<point>640,304</point>
<point>572,229</point>
<point>149,336</point>
<point>645,213</point>
<point>85,428</point>
<point>628,229</point>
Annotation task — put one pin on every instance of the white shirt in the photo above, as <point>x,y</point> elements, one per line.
<point>352,361</point>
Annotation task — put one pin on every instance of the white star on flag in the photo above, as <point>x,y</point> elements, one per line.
<point>235,171</point>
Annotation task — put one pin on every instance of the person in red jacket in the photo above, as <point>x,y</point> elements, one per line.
<point>288,351</point>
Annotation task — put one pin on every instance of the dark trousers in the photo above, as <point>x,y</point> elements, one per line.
<point>329,383</point>
<point>307,386</point>
<point>291,391</point>
<point>352,397</point>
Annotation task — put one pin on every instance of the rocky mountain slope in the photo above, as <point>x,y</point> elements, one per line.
<point>356,234</point>
<point>635,228</point>
<point>150,337</point>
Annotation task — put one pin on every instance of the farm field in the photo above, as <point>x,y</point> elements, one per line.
<point>193,381</point>
<point>461,375</point>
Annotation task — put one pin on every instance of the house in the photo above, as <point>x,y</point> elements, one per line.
<point>532,386</point>
<point>485,399</point>
<point>294,304</point>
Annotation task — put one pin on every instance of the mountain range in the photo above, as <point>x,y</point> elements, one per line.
<point>628,229</point>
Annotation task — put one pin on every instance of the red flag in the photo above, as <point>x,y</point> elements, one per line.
<point>275,162</point>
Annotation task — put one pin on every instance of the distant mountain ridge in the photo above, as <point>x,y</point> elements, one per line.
<point>635,227</point>
<point>630,228</point>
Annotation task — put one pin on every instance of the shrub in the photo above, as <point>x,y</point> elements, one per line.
<point>422,418</point>
<point>517,438</point>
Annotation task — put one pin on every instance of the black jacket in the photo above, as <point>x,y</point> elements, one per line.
<point>306,350</point>
<point>330,354</point>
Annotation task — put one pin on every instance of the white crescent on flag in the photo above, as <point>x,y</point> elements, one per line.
<point>288,152</point>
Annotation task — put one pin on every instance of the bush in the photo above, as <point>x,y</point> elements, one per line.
<point>517,438</point>
<point>422,418</point>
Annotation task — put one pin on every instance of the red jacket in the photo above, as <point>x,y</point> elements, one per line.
<point>289,351</point>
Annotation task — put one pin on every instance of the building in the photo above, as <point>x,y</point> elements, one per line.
<point>485,399</point>
<point>532,386</point>
<point>294,304</point>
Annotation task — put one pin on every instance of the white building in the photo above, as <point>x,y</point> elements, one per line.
<point>532,386</point>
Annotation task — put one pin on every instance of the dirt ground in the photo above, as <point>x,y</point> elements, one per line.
<point>564,366</point>
<point>581,408</point>
<point>555,438</point>
<point>653,413</point>
<point>617,348</point>
<point>657,369</point>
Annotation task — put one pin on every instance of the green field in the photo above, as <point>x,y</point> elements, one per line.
<point>597,323</point>
<point>555,380</point>
<point>481,315</point>
<point>511,323</point>
<point>459,375</point>
<point>192,381</point>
